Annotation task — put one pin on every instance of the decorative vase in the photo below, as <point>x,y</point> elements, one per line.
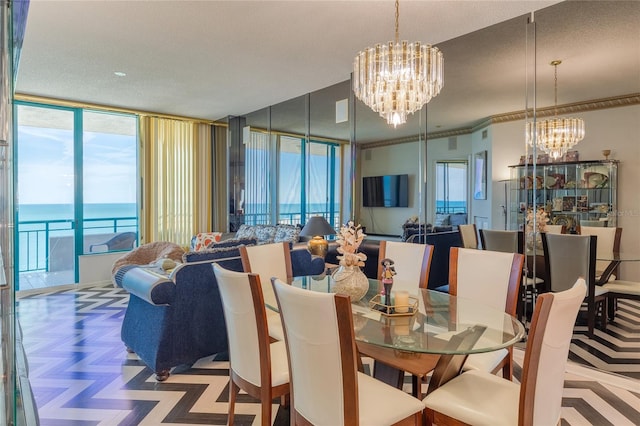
<point>350,280</point>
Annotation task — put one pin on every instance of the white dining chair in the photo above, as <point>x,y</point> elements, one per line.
<point>256,366</point>
<point>469,235</point>
<point>493,279</point>
<point>608,244</point>
<point>268,261</point>
<point>479,398</point>
<point>326,386</point>
<point>412,265</point>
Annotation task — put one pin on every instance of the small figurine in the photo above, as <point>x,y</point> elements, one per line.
<point>388,271</point>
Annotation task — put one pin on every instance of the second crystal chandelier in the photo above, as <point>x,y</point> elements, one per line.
<point>398,78</point>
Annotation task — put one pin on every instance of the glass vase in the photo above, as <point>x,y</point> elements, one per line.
<point>350,280</point>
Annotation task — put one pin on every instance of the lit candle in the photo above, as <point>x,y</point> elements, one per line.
<point>401,302</point>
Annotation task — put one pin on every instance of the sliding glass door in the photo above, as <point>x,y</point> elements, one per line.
<point>45,246</point>
<point>76,190</point>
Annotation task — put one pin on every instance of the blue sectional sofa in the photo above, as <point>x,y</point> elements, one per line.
<point>176,318</point>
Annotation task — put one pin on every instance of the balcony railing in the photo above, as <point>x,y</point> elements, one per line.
<point>36,239</point>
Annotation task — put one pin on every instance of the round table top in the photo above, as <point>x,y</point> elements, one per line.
<point>438,324</point>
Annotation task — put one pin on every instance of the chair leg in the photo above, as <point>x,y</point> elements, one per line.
<point>233,391</point>
<point>266,412</point>
<point>507,368</point>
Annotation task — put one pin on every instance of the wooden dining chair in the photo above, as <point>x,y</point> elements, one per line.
<point>608,244</point>
<point>412,265</point>
<point>268,261</point>
<point>567,256</point>
<point>256,366</point>
<point>469,235</point>
<point>555,229</point>
<point>479,398</point>
<point>491,278</point>
<point>513,242</point>
<point>326,386</point>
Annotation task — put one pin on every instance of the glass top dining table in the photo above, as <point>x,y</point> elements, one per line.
<point>439,323</point>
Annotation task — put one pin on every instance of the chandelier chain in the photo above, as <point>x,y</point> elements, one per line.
<point>555,83</point>
<point>397,21</point>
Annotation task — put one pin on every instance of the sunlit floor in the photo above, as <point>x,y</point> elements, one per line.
<point>81,373</point>
<point>37,280</point>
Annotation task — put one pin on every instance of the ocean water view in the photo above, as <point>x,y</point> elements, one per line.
<point>451,206</point>
<point>39,212</point>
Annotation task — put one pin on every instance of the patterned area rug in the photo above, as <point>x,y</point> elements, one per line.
<point>82,375</point>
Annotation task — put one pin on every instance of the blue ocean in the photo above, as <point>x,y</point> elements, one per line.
<point>39,212</point>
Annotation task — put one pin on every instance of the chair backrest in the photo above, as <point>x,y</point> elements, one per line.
<point>608,243</point>
<point>246,322</point>
<point>504,241</point>
<point>567,256</point>
<point>268,261</point>
<point>490,277</point>
<point>555,229</point>
<point>593,223</point>
<point>546,355</point>
<point>122,241</point>
<point>411,261</point>
<point>322,355</point>
<point>469,236</point>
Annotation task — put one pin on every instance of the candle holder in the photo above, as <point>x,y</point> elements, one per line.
<point>379,303</point>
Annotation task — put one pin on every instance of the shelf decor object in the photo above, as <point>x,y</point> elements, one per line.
<point>570,192</point>
<point>398,78</point>
<point>348,277</point>
<point>555,136</point>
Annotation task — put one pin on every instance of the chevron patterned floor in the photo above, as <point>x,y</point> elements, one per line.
<point>81,374</point>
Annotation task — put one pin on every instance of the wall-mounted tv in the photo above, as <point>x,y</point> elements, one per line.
<point>385,191</point>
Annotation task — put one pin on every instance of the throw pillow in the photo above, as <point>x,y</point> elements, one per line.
<point>442,219</point>
<point>205,239</point>
<point>245,231</point>
<point>290,233</point>
<point>265,233</point>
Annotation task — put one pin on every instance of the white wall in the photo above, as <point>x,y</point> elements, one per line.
<point>617,129</point>
<point>96,268</point>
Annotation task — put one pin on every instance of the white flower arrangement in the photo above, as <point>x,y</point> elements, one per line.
<point>349,239</point>
<point>542,217</point>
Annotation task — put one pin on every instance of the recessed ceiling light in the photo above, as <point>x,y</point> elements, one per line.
<point>120,73</point>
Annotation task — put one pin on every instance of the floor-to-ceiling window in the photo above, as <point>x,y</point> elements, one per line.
<point>306,176</point>
<point>451,186</point>
<point>324,181</point>
<point>76,189</point>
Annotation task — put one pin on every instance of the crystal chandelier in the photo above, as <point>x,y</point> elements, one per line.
<point>398,78</point>
<point>556,136</point>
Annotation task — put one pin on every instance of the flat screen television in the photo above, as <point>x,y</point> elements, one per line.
<point>385,191</point>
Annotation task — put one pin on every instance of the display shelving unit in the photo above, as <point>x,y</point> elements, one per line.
<point>572,193</point>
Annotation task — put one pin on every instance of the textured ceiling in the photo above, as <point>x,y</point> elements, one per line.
<point>210,59</point>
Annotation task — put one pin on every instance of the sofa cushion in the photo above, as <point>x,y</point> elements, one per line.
<point>290,233</point>
<point>265,234</point>
<point>246,231</point>
<point>442,219</point>
<point>221,250</point>
<point>205,239</point>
